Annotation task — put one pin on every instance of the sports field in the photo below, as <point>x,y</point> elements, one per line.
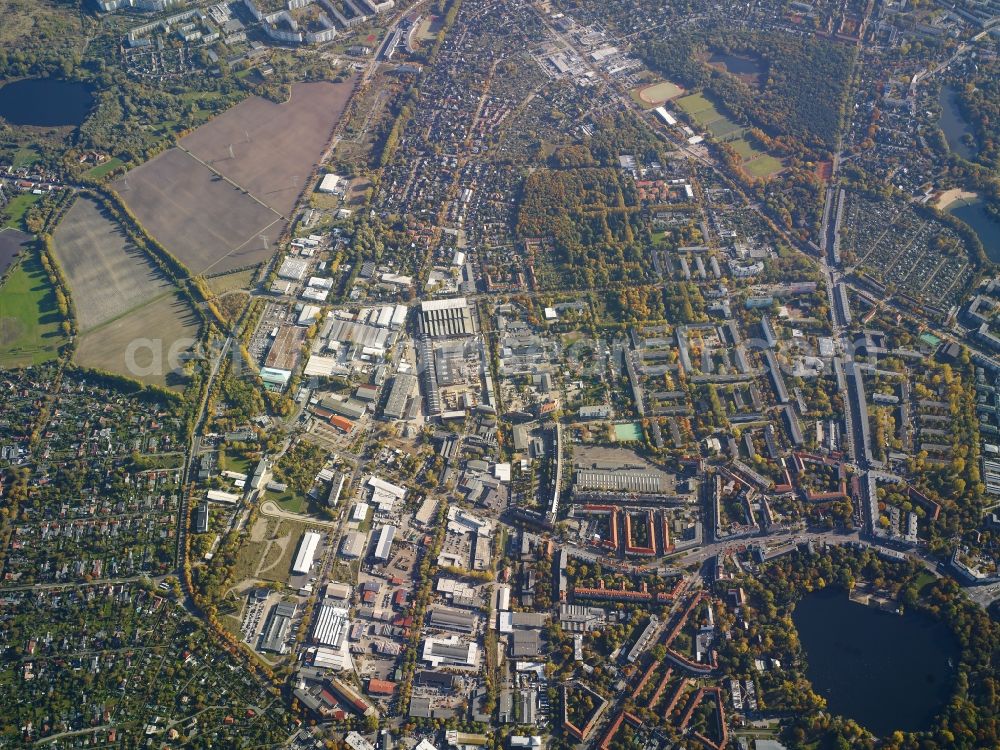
<point>742,147</point>
<point>30,330</point>
<point>706,115</point>
<point>763,166</point>
<point>658,93</point>
<point>143,344</point>
<point>209,200</point>
<point>628,432</point>
<point>107,274</point>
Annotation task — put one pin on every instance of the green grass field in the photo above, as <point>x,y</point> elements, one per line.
<point>25,157</point>
<point>763,166</point>
<point>694,104</point>
<point>290,501</point>
<point>230,460</point>
<point>17,208</point>
<point>742,147</point>
<point>30,330</point>
<point>102,169</point>
<point>705,115</point>
<point>724,129</point>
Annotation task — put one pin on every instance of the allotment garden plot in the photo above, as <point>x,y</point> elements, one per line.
<point>894,245</point>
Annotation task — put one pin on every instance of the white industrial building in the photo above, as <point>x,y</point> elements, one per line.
<point>307,551</point>
<point>331,183</point>
<point>383,547</point>
<point>308,315</point>
<point>385,495</point>
<point>293,269</point>
<point>226,498</point>
<point>352,545</point>
<point>451,652</point>
<point>331,625</point>
<point>665,116</point>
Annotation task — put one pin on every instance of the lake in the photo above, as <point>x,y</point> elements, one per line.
<point>45,102</point>
<point>747,69</point>
<point>953,125</point>
<point>974,214</point>
<point>883,670</point>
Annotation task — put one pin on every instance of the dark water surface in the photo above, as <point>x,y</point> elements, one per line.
<point>737,64</point>
<point>974,214</point>
<point>45,102</point>
<point>883,670</point>
<point>953,125</point>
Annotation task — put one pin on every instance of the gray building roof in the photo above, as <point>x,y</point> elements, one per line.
<point>526,643</point>
<point>447,618</point>
<point>399,395</point>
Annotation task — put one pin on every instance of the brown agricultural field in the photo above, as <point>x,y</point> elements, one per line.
<point>142,344</point>
<point>285,141</point>
<point>206,222</point>
<point>209,208</point>
<point>107,274</point>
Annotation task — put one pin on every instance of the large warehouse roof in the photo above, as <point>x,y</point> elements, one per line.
<point>399,395</point>
<point>384,544</point>
<point>331,625</point>
<point>353,544</point>
<point>381,484</point>
<point>307,550</point>
<point>446,317</point>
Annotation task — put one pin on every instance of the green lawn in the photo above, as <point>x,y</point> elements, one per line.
<point>722,128</point>
<point>234,461</point>
<point>30,330</point>
<point>17,208</point>
<point>25,157</point>
<point>742,147</point>
<point>201,96</point>
<point>102,169</point>
<point>706,115</point>
<point>924,579</point>
<point>289,500</point>
<point>694,104</point>
<point>764,166</point>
